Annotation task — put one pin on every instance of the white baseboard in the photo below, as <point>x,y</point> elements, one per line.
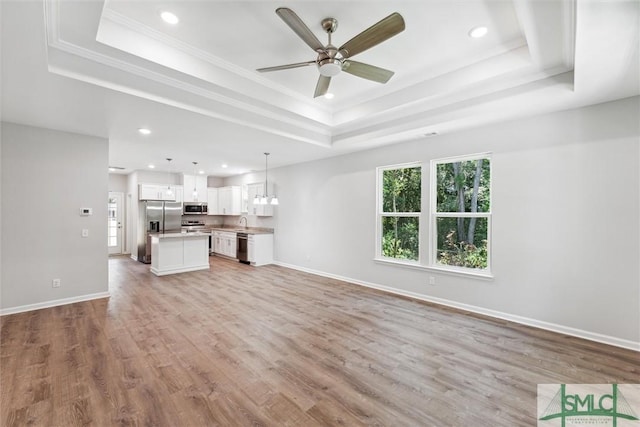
<point>179,270</point>
<point>553,327</point>
<point>53,303</point>
<point>134,257</point>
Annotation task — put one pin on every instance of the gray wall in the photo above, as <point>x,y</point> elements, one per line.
<point>47,176</point>
<point>565,219</point>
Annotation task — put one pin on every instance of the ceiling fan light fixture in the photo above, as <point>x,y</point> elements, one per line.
<point>331,60</point>
<point>330,67</point>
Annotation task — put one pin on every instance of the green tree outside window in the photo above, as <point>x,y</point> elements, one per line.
<point>400,217</point>
<point>463,212</point>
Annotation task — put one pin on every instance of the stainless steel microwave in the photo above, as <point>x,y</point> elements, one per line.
<point>194,208</point>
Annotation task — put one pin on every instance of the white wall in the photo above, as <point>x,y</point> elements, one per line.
<point>565,227</point>
<point>215,182</point>
<point>118,182</point>
<point>47,176</point>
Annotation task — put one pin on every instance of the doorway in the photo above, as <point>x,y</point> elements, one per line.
<point>115,212</point>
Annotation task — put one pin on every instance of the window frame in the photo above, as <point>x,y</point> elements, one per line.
<point>434,215</point>
<point>380,214</point>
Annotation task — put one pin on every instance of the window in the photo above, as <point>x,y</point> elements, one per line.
<point>399,207</point>
<point>461,213</point>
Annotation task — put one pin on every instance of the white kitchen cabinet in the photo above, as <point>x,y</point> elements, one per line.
<point>212,201</point>
<point>245,199</point>
<point>179,252</point>
<point>156,192</point>
<point>260,248</point>
<point>229,200</point>
<point>216,245</point>
<point>225,243</point>
<point>230,243</point>
<point>179,192</point>
<point>197,182</point>
<point>256,209</point>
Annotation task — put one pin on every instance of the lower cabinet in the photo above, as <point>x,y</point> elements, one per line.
<point>224,243</point>
<point>260,248</point>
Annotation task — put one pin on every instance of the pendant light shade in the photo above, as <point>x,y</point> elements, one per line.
<point>195,190</point>
<point>264,198</point>
<point>169,191</point>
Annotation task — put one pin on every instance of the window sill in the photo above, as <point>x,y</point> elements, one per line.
<point>471,274</point>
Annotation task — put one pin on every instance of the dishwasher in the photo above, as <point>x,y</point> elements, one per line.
<point>242,248</point>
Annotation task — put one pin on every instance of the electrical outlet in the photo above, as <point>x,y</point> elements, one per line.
<point>55,283</point>
<point>85,232</point>
<point>432,280</point>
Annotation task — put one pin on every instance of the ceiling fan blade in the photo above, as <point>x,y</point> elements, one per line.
<point>300,28</point>
<point>323,86</point>
<point>366,71</point>
<point>376,34</point>
<point>286,67</point>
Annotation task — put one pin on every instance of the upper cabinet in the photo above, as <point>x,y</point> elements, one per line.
<point>229,200</point>
<point>254,208</point>
<point>179,192</point>
<point>195,188</point>
<point>157,192</point>
<point>245,199</point>
<point>212,201</point>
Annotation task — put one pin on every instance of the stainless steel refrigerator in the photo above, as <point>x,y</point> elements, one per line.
<point>156,217</point>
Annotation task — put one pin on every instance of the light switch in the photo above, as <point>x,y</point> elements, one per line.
<point>85,232</point>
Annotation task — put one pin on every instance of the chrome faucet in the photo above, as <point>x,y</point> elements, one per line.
<point>245,221</point>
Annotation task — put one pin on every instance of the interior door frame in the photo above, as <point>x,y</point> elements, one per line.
<point>120,215</point>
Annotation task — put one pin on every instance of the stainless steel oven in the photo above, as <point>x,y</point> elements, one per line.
<point>242,251</point>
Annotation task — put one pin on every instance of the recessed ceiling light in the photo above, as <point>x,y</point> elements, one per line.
<point>329,95</point>
<point>152,166</point>
<point>225,166</point>
<point>200,172</point>
<point>169,18</point>
<point>477,32</point>
<point>144,131</point>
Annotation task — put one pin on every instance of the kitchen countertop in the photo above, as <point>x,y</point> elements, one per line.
<point>248,230</point>
<point>181,235</point>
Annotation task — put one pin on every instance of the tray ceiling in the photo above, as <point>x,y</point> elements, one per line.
<point>204,69</point>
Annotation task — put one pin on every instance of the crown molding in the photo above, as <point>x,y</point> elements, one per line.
<point>263,117</point>
<point>138,27</point>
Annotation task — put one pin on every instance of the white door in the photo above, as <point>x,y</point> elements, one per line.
<point>114,222</point>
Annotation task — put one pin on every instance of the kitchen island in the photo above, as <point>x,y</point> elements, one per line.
<point>179,252</point>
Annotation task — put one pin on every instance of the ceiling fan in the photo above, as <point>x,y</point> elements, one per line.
<point>331,60</point>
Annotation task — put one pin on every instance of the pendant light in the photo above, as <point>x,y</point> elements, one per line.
<point>264,198</point>
<point>195,190</point>
<point>169,191</point>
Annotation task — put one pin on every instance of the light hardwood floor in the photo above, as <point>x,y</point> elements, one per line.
<point>270,346</point>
